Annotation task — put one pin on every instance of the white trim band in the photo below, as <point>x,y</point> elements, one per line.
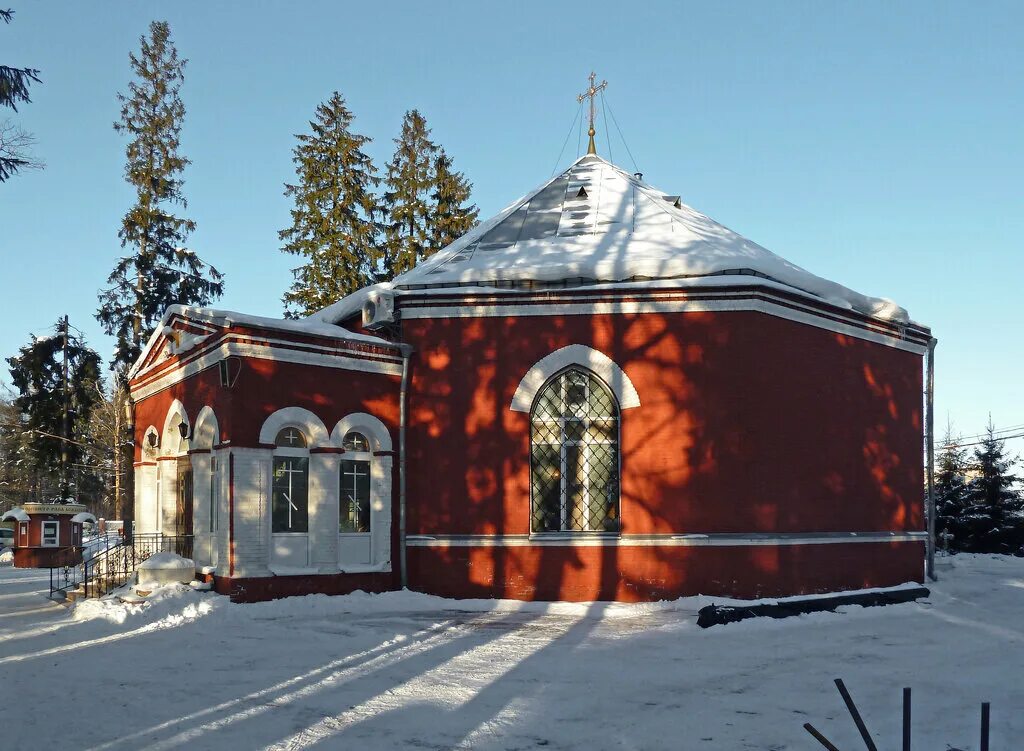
<point>680,540</point>
<point>237,349</point>
<point>811,317</point>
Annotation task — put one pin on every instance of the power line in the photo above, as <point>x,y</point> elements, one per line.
<point>959,445</point>
<point>983,434</point>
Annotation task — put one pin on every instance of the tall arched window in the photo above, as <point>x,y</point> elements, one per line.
<point>290,502</point>
<point>574,467</point>
<point>355,484</point>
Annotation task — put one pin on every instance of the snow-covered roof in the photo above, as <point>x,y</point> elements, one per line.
<point>597,224</point>
<point>228,318</point>
<point>347,306</point>
<point>15,514</point>
<point>302,326</point>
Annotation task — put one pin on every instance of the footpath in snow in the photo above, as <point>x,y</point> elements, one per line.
<point>402,670</point>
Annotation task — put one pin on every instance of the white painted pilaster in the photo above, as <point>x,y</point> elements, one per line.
<point>252,484</point>
<point>202,538</point>
<point>168,473</point>
<point>380,512</point>
<point>145,498</point>
<point>324,487</point>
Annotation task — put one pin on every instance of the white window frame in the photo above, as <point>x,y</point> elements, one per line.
<point>380,536</point>
<point>291,453</point>
<point>565,514</point>
<point>357,456</point>
<point>56,535</point>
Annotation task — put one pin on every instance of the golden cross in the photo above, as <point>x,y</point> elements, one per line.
<point>590,93</point>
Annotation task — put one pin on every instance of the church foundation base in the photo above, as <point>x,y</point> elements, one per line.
<point>262,588</point>
<point>638,574</point>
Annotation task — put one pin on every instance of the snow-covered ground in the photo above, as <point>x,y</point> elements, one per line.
<point>402,670</point>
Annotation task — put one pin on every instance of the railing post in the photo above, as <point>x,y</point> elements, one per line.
<point>985,708</point>
<point>906,719</point>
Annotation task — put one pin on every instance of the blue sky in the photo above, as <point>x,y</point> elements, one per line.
<point>876,144</point>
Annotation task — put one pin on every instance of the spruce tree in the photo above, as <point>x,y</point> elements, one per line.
<point>158,270</point>
<point>951,493</point>
<point>37,375</point>
<point>407,198</point>
<point>994,517</point>
<point>335,223</point>
<point>14,89</point>
<point>15,476</point>
<point>453,215</point>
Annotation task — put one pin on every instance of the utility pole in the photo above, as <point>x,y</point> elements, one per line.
<point>929,426</point>
<point>66,424</point>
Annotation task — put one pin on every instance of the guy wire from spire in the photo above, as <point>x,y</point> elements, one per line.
<point>621,137</point>
<point>579,111</point>
<point>579,137</point>
<point>604,112</point>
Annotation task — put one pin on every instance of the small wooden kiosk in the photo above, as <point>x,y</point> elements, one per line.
<point>48,534</point>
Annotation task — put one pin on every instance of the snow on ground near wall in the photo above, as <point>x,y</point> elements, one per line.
<point>404,670</point>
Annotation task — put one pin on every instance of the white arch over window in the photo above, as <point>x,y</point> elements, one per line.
<point>575,354</point>
<point>368,425</point>
<point>296,417</point>
<point>171,441</point>
<point>206,433</point>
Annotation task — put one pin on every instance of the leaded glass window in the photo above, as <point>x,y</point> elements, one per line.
<point>355,496</point>
<point>290,504</point>
<point>574,462</point>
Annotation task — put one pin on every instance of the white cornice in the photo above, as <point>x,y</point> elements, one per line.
<point>735,302</point>
<point>211,357</point>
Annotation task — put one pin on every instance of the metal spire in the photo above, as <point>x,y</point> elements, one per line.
<point>590,93</point>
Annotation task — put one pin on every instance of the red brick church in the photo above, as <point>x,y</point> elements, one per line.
<point>598,394</point>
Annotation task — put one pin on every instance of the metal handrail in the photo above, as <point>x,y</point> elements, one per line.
<point>116,563</point>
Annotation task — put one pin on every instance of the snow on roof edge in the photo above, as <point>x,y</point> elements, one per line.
<point>227,318</point>
<point>307,325</point>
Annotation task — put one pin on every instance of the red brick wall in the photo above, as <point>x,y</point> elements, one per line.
<point>634,574</point>
<point>747,423</point>
<point>263,387</point>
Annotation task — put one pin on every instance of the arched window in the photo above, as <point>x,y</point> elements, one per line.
<point>574,457</point>
<point>354,513</point>
<point>355,442</point>
<point>290,502</point>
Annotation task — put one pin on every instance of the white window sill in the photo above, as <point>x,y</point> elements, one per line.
<point>294,570</point>
<point>365,568</point>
